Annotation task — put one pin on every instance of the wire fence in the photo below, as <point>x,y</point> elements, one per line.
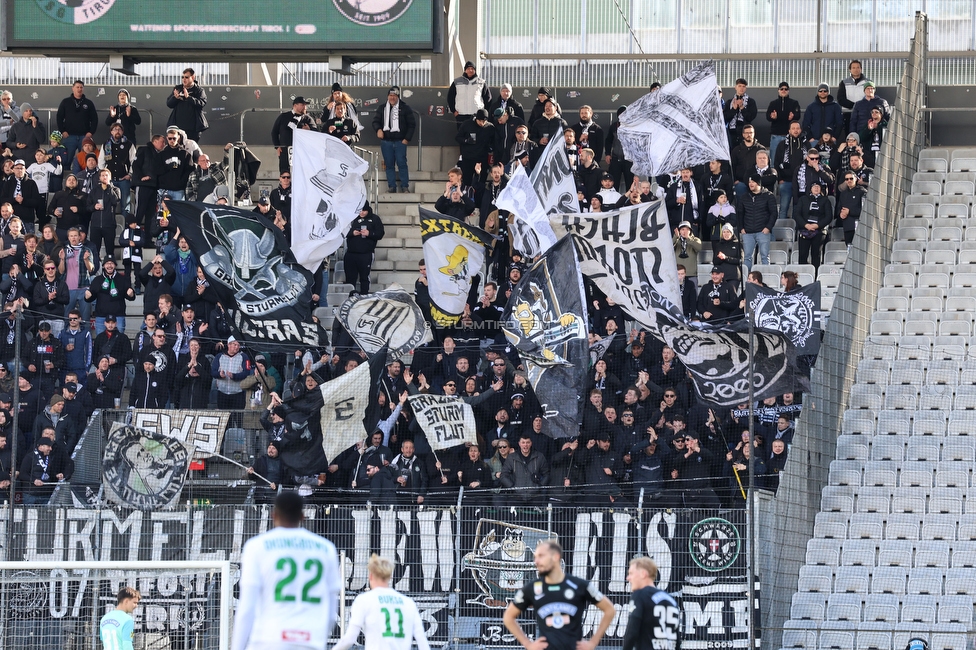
<point>792,514</point>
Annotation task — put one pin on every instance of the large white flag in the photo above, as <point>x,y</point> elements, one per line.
<point>447,421</point>
<point>553,179</point>
<point>327,192</point>
<point>677,126</point>
<point>530,230</point>
<point>344,402</point>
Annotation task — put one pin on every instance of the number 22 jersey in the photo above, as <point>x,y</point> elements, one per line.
<point>289,591</point>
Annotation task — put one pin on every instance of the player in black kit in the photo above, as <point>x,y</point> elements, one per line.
<point>560,602</point>
<point>654,620</point>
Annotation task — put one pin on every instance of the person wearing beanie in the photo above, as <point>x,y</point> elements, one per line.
<point>617,166</point>
<point>755,216</point>
<point>823,112</point>
<point>126,114</point>
<point>88,147</point>
<point>21,192</point>
<point>364,231</point>
<point>545,94</point>
<point>780,113</point>
<point>507,124</point>
<point>505,101</point>
<point>845,149</point>
<point>267,472</point>
<point>77,118</point>
<point>283,130</point>
<point>860,114</point>
<point>27,134</point>
<point>476,137</point>
<point>468,94</point>
<point>340,97</point>
<point>395,125</point>
<point>57,156</point>
<point>738,112</point>
<point>65,430</point>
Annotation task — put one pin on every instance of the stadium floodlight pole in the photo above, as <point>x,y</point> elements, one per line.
<point>18,325</point>
<point>751,494</point>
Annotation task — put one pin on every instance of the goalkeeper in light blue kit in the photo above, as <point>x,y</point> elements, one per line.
<point>116,628</point>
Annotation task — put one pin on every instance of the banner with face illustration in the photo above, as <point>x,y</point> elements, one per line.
<point>794,313</point>
<point>247,261</point>
<point>390,317</point>
<point>143,469</point>
<point>454,253</point>
<point>328,191</point>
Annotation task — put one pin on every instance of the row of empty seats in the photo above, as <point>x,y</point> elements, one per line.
<point>957,210</point>
<point>947,188</point>
<point>894,473</point>
<point>870,636</point>
<point>943,177</point>
<point>923,232</point>
<point>904,422</point>
<point>898,499</point>
<point>902,526</point>
<point>910,371</point>
<point>909,554</point>
<point>856,607</point>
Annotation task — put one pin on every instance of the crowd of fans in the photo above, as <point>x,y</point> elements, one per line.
<point>85,230</point>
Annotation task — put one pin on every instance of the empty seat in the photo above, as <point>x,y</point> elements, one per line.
<point>946,641</point>
<point>879,473</point>
<point>930,423</point>
<point>859,552</point>
<point>961,423</point>
<point>817,579</point>
<point>866,525</point>
<point>902,526</point>
<point>851,447</point>
<point>956,153</point>
<point>869,397</point>
<point>859,422</point>
<point>918,609</point>
<point>880,347</point>
<point>845,472</point>
<point>896,422</point>
<point>900,256</point>
<point>932,553</point>
<point>823,551</point>
<point>963,165</point>
<point>959,581</point>
<point>872,371</point>
<point>952,211</point>
<point>873,639</point>
<point>808,607</point>
<point>896,553</point>
<point>965,399</point>
<point>942,530</point>
<point>852,579</point>
<point>956,609</point>
<point>927,187</point>
<point>922,448</point>
<point>888,448</point>
<point>946,500</point>
<point>933,279</point>
<point>914,347</point>
<point>962,448</point>
<point>925,581</point>
<point>950,472</point>
<point>909,500</point>
<point>836,640</point>
<point>784,234</point>
<point>798,638</point>
<point>778,257</point>
<point>888,580</point>
<point>964,188</point>
<point>964,556</point>
<point>936,397</point>
<point>906,371</point>
<point>900,279</point>
<point>873,499</point>
<point>933,165</point>
<point>881,608</point>
<point>949,347</point>
<point>844,607</point>
<point>837,498</point>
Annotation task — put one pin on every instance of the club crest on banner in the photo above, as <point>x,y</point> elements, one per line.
<point>142,469</point>
<point>502,560</point>
<point>389,317</point>
<point>543,323</point>
<point>796,314</point>
<point>714,544</point>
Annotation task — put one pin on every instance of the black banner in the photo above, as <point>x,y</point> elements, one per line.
<point>248,263</point>
<point>794,313</point>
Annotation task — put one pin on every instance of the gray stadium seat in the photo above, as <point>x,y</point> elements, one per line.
<point>909,500</point>
<point>939,257</point>
<point>936,396</point>
<point>933,279</point>
<point>853,447</point>
<point>880,347</point>
<point>927,187</point>
<point>859,552</point>
<point>930,423</point>
<point>836,640</point>
<point>879,473</point>
<point>805,639</point>
<point>949,347</point>
<point>808,607</point>
<point>870,397</point>
<point>873,640</point>
<point>899,280</point>
<point>956,609</point>
<point>881,608</point>
<point>844,607</point>
<point>873,499</point>
<point>932,553</point>
<point>903,527</point>
<point>914,347</point>
<point>845,472</point>
<point>817,579</point>
<point>859,422</point>
<point>888,580</point>
<point>966,530</point>
<point>852,579</point>
<point>896,422</point>
<point>950,472</point>
<point>871,371</point>
<point>946,500</point>
<point>918,609</point>
<point>964,188</point>
<point>888,447</point>
<point>961,423</point>
<point>824,552</point>
<point>946,641</point>
<point>963,165</point>
<point>925,581</point>
<point>923,448</point>
<point>866,525</point>
<point>960,448</point>
<point>836,498</point>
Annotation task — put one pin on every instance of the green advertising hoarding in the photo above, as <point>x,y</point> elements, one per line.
<point>261,25</point>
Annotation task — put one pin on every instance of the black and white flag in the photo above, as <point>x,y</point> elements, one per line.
<point>143,469</point>
<point>247,261</point>
<point>390,317</point>
<point>447,421</point>
<point>546,322</point>
<point>679,125</point>
<point>202,429</point>
<point>627,254</point>
<point>344,403</point>
<point>455,253</point>
<point>328,191</point>
<point>717,356</point>
<point>553,179</point>
<point>529,226</point>
<point>795,313</point>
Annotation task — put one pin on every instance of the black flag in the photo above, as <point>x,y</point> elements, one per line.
<point>546,322</point>
<point>794,313</point>
<point>247,261</point>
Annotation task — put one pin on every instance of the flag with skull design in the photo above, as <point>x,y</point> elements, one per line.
<point>247,261</point>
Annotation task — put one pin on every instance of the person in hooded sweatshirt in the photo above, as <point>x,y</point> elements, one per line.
<point>364,231</point>
<point>468,94</point>
<point>173,166</point>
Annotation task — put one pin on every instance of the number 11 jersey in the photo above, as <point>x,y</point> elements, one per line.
<point>289,586</point>
<point>388,619</point>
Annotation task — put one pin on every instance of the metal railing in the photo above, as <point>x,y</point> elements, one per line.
<point>792,513</point>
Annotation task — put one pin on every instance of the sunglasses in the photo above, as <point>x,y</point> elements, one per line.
<point>284,177</point>
<point>451,385</point>
<point>172,139</point>
<point>50,268</point>
<point>188,76</point>
<point>814,157</point>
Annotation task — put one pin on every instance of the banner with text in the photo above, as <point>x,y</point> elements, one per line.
<point>446,421</point>
<point>202,429</point>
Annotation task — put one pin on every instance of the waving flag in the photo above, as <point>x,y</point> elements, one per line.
<point>530,230</point>
<point>794,313</point>
<point>328,191</point>
<point>143,469</point>
<point>677,126</point>
<point>455,253</point>
<point>553,179</point>
<point>390,317</point>
<point>247,261</point>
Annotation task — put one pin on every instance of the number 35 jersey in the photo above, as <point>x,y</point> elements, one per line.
<point>559,608</point>
<point>289,591</point>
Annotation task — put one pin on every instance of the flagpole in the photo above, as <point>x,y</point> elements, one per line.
<point>244,467</point>
<point>751,501</point>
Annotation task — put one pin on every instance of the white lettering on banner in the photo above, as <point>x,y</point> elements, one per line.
<point>200,428</point>
<point>710,617</point>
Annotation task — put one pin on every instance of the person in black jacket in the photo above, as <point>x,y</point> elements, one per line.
<point>815,214</point>
<point>589,134</point>
<point>685,202</point>
<point>50,296</point>
<point>113,343</point>
<point>187,102</point>
<point>103,201</point>
<point>788,155</point>
<point>267,472</point>
<point>35,474</point>
<point>21,192</point>
<point>192,379</point>
<point>364,231</point>
<point>755,214</point>
<point>395,125</point>
<point>727,254</point>
<point>780,113</point>
<point>77,119</point>
<point>283,131</point>
<point>341,126</point>
<point>105,383</point>
<point>109,290</point>
<point>173,167</point>
<point>27,135</point>
<point>617,166</point>
<point>506,127</point>
<point>850,198</point>
<point>810,174</point>
<point>476,137</point>
<point>144,172</point>
<point>455,203</point>
<point>717,299</point>
<point>548,126</point>
<point>126,114</point>
<point>718,179</point>
<point>739,112</point>
<point>45,358</point>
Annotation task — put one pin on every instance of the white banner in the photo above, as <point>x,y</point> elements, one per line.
<point>202,429</point>
<point>530,230</point>
<point>344,403</point>
<point>328,191</point>
<point>446,421</point>
<point>553,179</point>
<point>627,254</point>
